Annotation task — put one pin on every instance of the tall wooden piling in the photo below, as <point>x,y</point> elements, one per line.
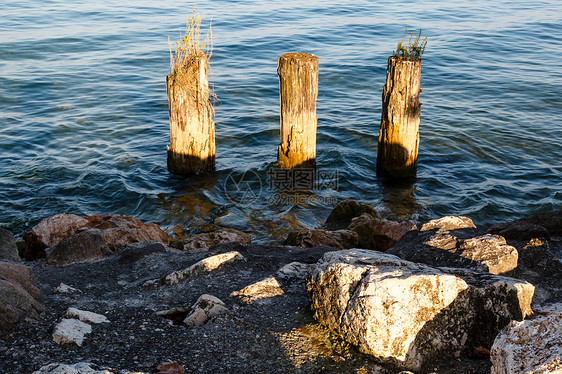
<point>399,133</point>
<point>192,129</point>
<point>298,91</point>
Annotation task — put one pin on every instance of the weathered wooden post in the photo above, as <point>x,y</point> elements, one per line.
<point>298,91</point>
<point>399,132</point>
<point>192,129</point>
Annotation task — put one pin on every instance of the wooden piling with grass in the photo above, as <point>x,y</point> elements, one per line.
<point>399,131</point>
<point>298,91</point>
<point>192,129</point>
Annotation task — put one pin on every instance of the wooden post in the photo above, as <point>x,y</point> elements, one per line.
<point>192,130</point>
<point>399,133</point>
<point>298,91</point>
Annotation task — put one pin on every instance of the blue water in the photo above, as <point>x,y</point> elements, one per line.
<point>84,120</point>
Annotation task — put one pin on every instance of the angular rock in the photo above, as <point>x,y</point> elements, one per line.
<point>552,221</point>
<point>537,226</point>
<point>488,253</point>
<point>293,270</point>
<point>532,346</point>
<point>263,289</point>
<point>206,307</point>
<point>117,231</point>
<point>519,230</point>
<point>204,241</point>
<point>491,251</point>
<point>50,231</point>
<point>8,247</point>
<point>205,265</point>
<point>64,288</point>
<point>340,239</point>
<point>378,234</point>
<point>340,217</point>
<point>537,257</point>
<point>409,313</point>
<point>85,246</point>
<point>20,297</point>
<point>85,316</point>
<point>79,368</point>
<point>169,368</point>
<point>449,223</point>
<point>71,331</point>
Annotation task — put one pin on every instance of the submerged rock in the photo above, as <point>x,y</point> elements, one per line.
<point>409,313</point>
<point>340,239</point>
<point>379,234</point>
<point>532,346</point>
<point>340,217</point>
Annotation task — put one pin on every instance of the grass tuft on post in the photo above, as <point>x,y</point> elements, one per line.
<point>399,131</point>
<point>190,102</point>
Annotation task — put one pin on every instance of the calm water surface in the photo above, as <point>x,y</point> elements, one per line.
<point>84,120</point>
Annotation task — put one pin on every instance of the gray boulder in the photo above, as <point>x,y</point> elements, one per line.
<point>8,247</point>
<point>407,313</point>
<point>20,297</point>
<point>85,246</point>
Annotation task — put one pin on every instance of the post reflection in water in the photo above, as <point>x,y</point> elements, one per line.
<point>399,198</point>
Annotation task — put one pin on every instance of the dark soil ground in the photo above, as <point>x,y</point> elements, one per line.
<point>277,335</point>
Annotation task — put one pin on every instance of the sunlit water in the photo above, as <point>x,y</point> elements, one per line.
<point>84,119</point>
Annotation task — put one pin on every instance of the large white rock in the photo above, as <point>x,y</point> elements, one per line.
<point>71,331</point>
<point>530,347</point>
<point>407,313</point>
<point>85,316</point>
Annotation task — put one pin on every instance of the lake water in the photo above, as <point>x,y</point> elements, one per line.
<point>84,119</point>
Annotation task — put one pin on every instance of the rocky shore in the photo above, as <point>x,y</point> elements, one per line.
<point>111,294</point>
